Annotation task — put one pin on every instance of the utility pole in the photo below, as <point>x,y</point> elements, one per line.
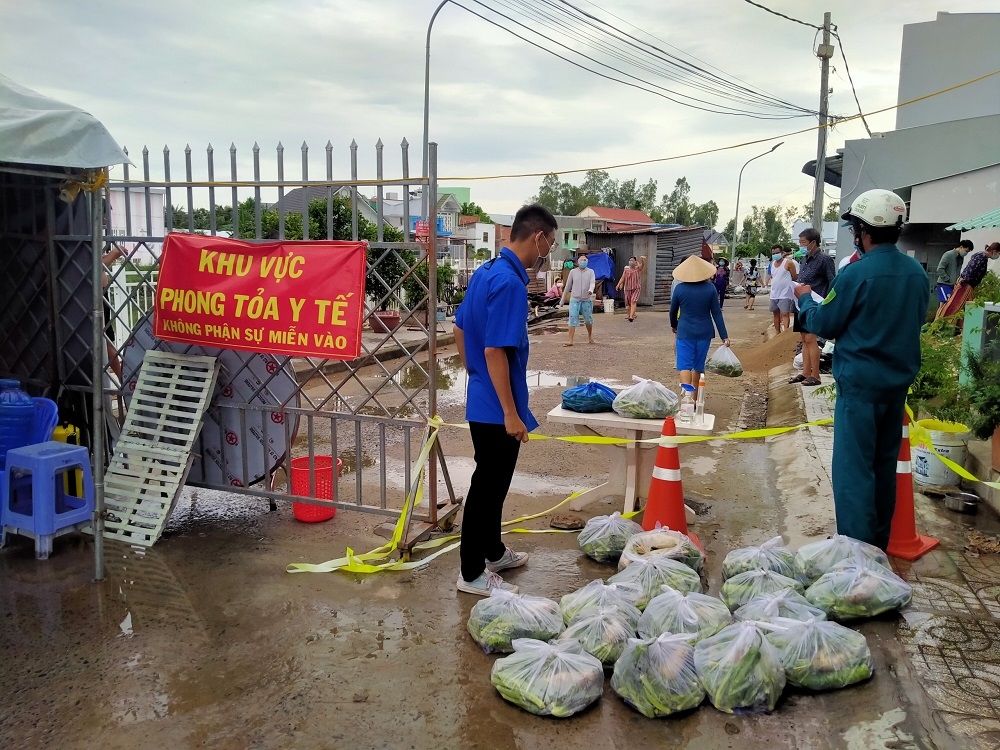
<point>824,53</point>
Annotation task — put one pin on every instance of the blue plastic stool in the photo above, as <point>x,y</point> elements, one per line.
<point>34,501</point>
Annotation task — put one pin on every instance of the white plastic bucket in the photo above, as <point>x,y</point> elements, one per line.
<point>609,306</point>
<point>950,439</point>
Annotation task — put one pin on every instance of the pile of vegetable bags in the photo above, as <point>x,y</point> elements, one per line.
<point>773,625</point>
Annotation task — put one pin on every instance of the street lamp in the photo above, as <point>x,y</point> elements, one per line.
<point>424,208</point>
<point>739,184</point>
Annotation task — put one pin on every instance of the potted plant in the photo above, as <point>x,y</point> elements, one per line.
<point>382,287</point>
<point>414,287</point>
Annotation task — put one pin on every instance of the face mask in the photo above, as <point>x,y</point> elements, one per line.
<point>583,263</point>
<point>776,256</point>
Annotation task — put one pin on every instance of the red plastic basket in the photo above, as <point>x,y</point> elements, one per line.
<point>326,487</point>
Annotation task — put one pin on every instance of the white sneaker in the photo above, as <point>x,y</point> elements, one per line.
<point>485,584</point>
<point>509,559</point>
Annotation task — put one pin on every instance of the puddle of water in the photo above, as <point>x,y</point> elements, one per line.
<point>460,470</point>
<point>701,465</point>
<point>350,461</point>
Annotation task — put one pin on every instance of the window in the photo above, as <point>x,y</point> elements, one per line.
<point>565,238</point>
<point>486,237</point>
<point>574,236</point>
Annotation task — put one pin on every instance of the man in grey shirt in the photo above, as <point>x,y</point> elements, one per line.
<point>580,289</point>
<point>948,269</point>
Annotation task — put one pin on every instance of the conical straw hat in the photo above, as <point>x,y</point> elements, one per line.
<point>694,269</point>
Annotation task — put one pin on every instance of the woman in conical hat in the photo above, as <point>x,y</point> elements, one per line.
<point>695,314</point>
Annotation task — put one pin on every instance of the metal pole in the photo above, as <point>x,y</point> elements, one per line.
<point>739,186</point>
<point>824,53</point>
<point>432,322</point>
<point>97,427</point>
<point>424,207</point>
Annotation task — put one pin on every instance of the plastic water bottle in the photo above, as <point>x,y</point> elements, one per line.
<point>17,417</point>
<point>699,407</point>
<point>686,415</point>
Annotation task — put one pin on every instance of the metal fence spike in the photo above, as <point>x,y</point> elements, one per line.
<point>145,151</point>
<point>232,148</point>
<point>280,147</point>
<point>210,149</point>
<point>304,146</point>
<point>354,145</point>
<point>378,143</point>
<point>256,148</point>
<point>187,148</point>
<point>329,146</point>
<point>404,143</point>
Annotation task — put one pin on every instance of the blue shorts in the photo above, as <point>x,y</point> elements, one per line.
<point>692,353</point>
<point>578,307</point>
<point>944,292</point>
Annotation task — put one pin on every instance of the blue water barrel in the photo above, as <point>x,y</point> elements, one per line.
<point>17,417</point>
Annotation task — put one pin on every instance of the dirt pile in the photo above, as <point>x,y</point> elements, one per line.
<point>778,351</point>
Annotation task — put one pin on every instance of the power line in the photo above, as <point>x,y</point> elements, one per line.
<point>546,18</point>
<point>643,85</point>
<point>854,91</point>
<point>782,15</point>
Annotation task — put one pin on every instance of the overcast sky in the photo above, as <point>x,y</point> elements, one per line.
<point>240,71</point>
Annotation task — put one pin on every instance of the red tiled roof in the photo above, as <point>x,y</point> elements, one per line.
<point>617,226</point>
<point>620,214</point>
<point>465,221</point>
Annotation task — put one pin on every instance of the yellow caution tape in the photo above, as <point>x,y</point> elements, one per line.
<point>362,563</point>
<point>922,436</point>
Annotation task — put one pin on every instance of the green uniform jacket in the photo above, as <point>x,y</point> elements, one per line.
<point>949,267</point>
<point>874,310</point>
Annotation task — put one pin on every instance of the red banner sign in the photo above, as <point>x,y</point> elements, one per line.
<point>302,299</point>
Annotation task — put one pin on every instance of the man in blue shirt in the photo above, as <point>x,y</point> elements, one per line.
<point>491,333</point>
<point>874,309</point>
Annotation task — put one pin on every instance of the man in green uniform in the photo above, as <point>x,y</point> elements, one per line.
<point>874,310</point>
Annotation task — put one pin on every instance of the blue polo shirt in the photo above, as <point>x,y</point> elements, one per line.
<point>494,313</point>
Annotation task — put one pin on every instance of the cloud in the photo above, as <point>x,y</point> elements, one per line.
<point>240,71</point>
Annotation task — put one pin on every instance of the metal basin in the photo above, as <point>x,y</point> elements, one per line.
<point>962,502</point>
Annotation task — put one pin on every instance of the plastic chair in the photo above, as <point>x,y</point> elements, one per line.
<point>35,503</point>
<point>46,419</point>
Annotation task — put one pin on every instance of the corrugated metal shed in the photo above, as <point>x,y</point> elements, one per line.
<point>663,249</point>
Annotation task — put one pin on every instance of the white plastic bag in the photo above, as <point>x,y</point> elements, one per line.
<point>797,361</point>
<point>816,558</point>
<point>771,555</point>
<point>724,362</point>
<point>743,587</point>
<point>858,587</point>
<point>501,617</point>
<point>602,633</point>
<point>604,537</point>
<point>787,603</point>
<point>657,677</point>
<point>656,572</point>
<point>647,399</point>
<point>662,542</point>
<point>597,595</point>
<point>692,613</point>
<point>821,655</point>
<point>740,669</point>
<point>549,679</point>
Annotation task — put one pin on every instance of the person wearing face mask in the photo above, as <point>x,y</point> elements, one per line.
<point>580,289</point>
<point>874,309</point>
<point>784,271</point>
<point>491,335</point>
<point>948,269</point>
<point>631,281</point>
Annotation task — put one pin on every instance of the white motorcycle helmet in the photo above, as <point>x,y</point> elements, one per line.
<point>877,208</point>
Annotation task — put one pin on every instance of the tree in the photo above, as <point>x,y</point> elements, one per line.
<point>832,212</point>
<point>474,209</point>
<point>707,214</point>
<point>548,193</point>
<point>763,227</point>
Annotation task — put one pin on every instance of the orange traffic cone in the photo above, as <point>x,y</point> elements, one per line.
<point>665,504</point>
<point>904,541</point>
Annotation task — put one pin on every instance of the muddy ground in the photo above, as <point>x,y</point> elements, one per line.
<point>206,641</point>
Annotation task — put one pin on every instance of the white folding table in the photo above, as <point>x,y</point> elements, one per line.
<point>628,478</point>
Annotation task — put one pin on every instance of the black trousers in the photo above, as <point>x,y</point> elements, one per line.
<point>496,456</point>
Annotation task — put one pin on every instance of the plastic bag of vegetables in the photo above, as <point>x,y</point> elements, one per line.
<point>597,595</point>
<point>604,537</point>
<point>814,559</point>
<point>602,634</point>
<point>549,679</point>
<point>589,398</point>
<point>859,587</point>
<point>675,613</point>
<point>647,399</point>
<point>656,676</point>
<point>771,555</point>
<point>740,669</point>
<point>787,603</point>
<point>821,655</point>
<point>503,616</point>
<point>743,587</point>
<point>661,542</point>
<point>654,573</point>
<point>724,362</point>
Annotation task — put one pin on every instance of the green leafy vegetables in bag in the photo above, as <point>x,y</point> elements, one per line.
<point>657,676</point>
<point>740,670</point>
<point>503,616</point>
<point>549,679</point>
<point>604,537</point>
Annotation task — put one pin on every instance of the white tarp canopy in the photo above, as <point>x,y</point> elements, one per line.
<point>35,129</point>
